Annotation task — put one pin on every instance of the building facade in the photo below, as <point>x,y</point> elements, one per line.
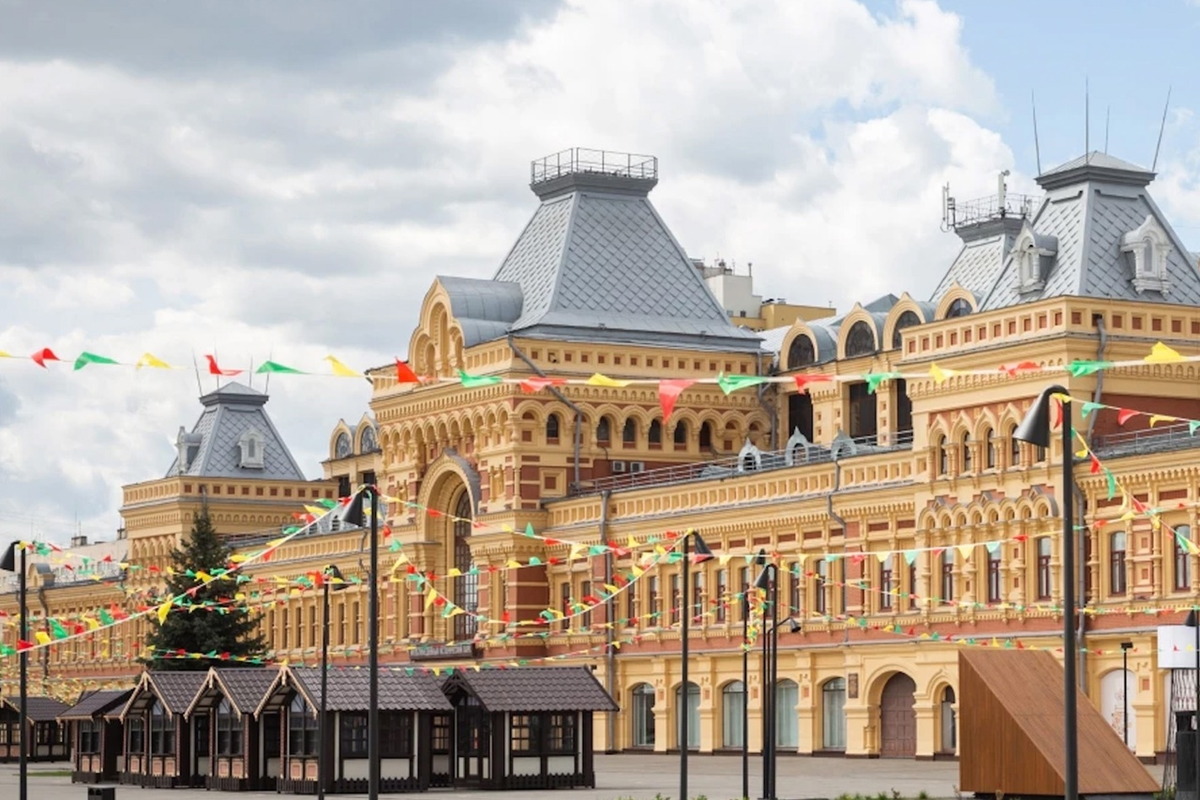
<point>878,467</point>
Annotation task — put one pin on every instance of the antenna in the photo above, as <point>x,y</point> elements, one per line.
<point>1087,123</point>
<point>270,356</point>
<point>196,365</point>
<point>250,374</point>
<point>1107,110</point>
<point>1037,148</point>
<point>217,358</point>
<point>1162,127</point>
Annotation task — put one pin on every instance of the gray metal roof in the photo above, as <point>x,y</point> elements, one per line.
<point>1090,203</point>
<point>483,309</point>
<point>597,264</point>
<point>536,689</point>
<point>348,690</point>
<point>38,709</point>
<point>96,703</point>
<point>228,413</point>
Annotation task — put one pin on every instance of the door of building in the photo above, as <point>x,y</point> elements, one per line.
<point>898,720</point>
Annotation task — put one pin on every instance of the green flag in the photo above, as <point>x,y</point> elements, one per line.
<point>91,358</point>
<point>271,367</point>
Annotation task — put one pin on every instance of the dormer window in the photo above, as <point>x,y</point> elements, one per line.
<point>369,443</point>
<point>341,448</point>
<point>860,341</point>
<point>1033,255</point>
<point>251,445</point>
<point>187,447</point>
<point>801,352</point>
<point>1148,247</point>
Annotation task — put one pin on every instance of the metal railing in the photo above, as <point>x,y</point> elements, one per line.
<point>747,464</point>
<point>576,160</point>
<point>1151,440</point>
<point>983,209</point>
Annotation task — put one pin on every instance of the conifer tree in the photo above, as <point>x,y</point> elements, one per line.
<point>215,627</point>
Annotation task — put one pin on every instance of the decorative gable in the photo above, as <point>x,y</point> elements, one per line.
<point>1147,249</point>
<point>1034,256</point>
<point>251,446</point>
<point>187,446</point>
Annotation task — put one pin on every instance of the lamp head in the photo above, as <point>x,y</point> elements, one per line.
<point>1191,619</point>
<point>335,577</point>
<point>1126,645</point>
<point>794,625</point>
<point>700,550</point>
<point>1035,428</point>
<point>763,581</point>
<point>9,562</point>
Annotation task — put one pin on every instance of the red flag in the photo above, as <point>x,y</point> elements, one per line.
<point>404,373</point>
<point>533,385</point>
<point>23,645</point>
<point>1013,369</point>
<point>44,355</point>
<point>213,369</point>
<point>1095,465</point>
<point>668,393</point>
<point>802,381</point>
<point>1126,414</point>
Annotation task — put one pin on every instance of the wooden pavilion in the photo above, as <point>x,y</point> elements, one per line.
<point>159,750</point>
<point>44,738</point>
<point>233,749</point>
<point>95,735</point>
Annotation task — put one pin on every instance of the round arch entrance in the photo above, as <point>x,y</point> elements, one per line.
<point>898,720</point>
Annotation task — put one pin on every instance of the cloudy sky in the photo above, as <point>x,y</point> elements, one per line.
<point>283,178</point>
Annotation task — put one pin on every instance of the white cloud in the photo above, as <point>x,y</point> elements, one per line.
<point>263,211</point>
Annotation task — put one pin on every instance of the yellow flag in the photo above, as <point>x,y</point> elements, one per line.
<point>1161,354</point>
<point>513,564</point>
<point>1157,418</point>
<point>340,369</point>
<point>201,575</point>
<point>42,637</point>
<point>454,572</point>
<point>576,551</point>
<point>316,511</point>
<point>938,374</point>
<point>148,360</point>
<point>882,555</point>
<point>964,550</point>
<point>163,610</point>
<point>724,558</point>
<point>237,558</point>
<point>430,598</point>
<point>5,355</point>
<point>603,380</point>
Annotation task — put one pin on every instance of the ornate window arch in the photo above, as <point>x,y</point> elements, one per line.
<point>860,340</point>
<point>252,445</point>
<point>553,425</point>
<point>958,308</point>
<point>466,586</point>
<point>369,442</point>
<point>801,352</point>
<point>342,447</point>
<point>907,319</point>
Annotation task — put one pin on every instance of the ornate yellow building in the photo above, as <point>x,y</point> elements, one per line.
<point>910,521</point>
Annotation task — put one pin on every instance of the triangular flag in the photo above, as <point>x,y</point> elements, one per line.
<point>939,374</point>
<point>86,358</point>
<point>163,610</point>
<point>603,380</point>
<point>668,393</point>
<point>1161,354</point>
<point>340,369</point>
<point>535,384</point>
<point>732,383</point>
<point>148,360</point>
<point>275,368</point>
<point>473,381</point>
<point>404,373</point>
<point>875,379</point>
<point>44,355</point>
<point>964,550</point>
<point>213,369</point>
<point>1081,369</point>
<point>1126,414</point>
<point>802,381</point>
<point>42,637</point>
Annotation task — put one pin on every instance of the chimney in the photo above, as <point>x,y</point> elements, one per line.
<point>79,541</point>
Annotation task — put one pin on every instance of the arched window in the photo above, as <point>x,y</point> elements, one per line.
<point>966,452</point>
<point>1014,448</point>
<point>833,714</point>
<point>643,715</point>
<point>1183,560</point>
<point>801,352</point>
<point>370,443</point>
<point>860,341</point>
<point>947,576</point>
<point>906,320</point>
<point>705,435</point>
<point>1116,564</point>
<point>466,586</point>
<point>959,308</point>
<point>229,730</point>
<point>604,430</point>
<point>949,725</point>
<point>654,433</point>
<point>733,700</point>
<point>990,449</point>
<point>1043,568</point>
<point>692,708</point>
<point>342,449</point>
<point>681,432</point>
<point>552,423</point>
<point>943,456</point>
<point>994,581</point>
<point>629,432</point>
<point>787,726</point>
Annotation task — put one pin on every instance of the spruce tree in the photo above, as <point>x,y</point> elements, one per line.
<point>216,626</point>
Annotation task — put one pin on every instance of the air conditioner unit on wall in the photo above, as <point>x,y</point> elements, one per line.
<point>637,466</point>
<point>618,466</point>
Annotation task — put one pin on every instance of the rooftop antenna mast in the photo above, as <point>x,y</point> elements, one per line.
<point>270,356</point>
<point>1037,148</point>
<point>196,366</point>
<point>1162,127</point>
<point>1087,123</point>
<point>1107,111</point>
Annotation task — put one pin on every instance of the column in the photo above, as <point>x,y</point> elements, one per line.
<point>927,728</point>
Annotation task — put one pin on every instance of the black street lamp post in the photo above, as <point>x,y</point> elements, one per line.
<point>1035,429</point>
<point>331,575</point>
<point>702,554</point>
<point>354,516</point>
<point>761,558</point>
<point>1125,648</point>
<point>768,580</point>
<point>10,564</point>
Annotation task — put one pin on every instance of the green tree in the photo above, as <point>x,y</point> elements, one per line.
<point>203,620</point>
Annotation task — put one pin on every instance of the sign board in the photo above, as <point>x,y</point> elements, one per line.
<point>1176,647</point>
<point>437,652</point>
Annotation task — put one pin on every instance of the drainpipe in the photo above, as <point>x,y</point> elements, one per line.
<point>610,656</point>
<point>1081,508</point>
<point>554,390</point>
<point>837,483</point>
<point>772,413</point>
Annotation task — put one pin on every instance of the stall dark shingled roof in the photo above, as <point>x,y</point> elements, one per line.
<point>177,690</point>
<point>39,709</point>
<point>537,689</point>
<point>349,690</point>
<point>94,703</point>
<point>245,687</point>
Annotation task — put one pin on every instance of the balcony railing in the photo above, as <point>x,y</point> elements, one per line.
<point>1151,440</point>
<point>799,454</point>
<point>577,160</point>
